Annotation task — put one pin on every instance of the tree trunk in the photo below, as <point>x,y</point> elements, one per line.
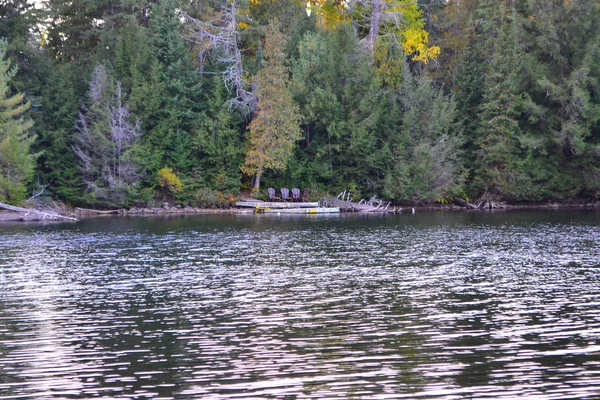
<point>257,180</point>
<point>463,203</point>
<point>375,21</point>
<point>41,214</point>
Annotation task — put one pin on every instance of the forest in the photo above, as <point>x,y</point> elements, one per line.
<point>123,103</point>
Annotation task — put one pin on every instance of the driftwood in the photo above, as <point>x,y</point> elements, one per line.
<point>463,203</point>
<point>41,214</point>
<point>491,205</point>
<point>97,212</point>
<point>373,205</point>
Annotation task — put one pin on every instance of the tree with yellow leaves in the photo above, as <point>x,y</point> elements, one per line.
<point>388,20</point>
<point>397,20</point>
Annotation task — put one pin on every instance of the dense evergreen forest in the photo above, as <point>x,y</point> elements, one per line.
<point>136,102</point>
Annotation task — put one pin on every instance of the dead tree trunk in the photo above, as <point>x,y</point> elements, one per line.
<point>41,214</point>
<point>463,203</point>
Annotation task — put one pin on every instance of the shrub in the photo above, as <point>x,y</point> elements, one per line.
<point>169,181</point>
<point>206,198</point>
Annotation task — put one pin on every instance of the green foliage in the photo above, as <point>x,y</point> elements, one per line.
<point>17,162</point>
<point>509,110</point>
<point>426,157</point>
<point>57,165</point>
<point>275,129</point>
<point>167,97</point>
<point>497,174</point>
<point>169,181</point>
<point>209,198</point>
<point>104,137</point>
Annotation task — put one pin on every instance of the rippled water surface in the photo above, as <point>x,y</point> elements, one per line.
<point>445,306</point>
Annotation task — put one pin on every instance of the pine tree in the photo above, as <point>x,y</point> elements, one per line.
<point>17,163</point>
<point>276,128</point>
<point>426,157</point>
<point>169,102</point>
<point>498,134</point>
<point>57,165</point>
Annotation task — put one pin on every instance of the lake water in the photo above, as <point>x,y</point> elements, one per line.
<point>432,305</point>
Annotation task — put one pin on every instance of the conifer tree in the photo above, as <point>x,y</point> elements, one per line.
<point>166,97</point>
<point>220,141</point>
<point>498,134</point>
<point>276,128</point>
<point>57,164</point>
<point>426,162</point>
<point>17,163</point>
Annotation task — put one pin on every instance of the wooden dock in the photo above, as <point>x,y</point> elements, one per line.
<point>275,204</point>
<point>316,210</point>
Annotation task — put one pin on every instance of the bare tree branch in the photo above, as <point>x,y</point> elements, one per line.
<point>220,35</point>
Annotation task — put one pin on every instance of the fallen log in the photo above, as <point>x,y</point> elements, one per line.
<point>463,203</point>
<point>41,214</point>
<point>98,212</point>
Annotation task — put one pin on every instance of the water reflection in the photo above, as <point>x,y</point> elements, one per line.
<point>437,306</point>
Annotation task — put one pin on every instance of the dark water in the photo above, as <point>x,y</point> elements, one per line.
<point>443,306</point>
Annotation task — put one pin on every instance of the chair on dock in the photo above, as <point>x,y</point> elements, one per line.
<point>304,198</point>
<point>285,194</point>
<point>296,194</point>
<point>272,196</point>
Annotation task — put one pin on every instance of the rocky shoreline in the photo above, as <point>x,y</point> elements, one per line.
<point>184,210</point>
<point>169,210</point>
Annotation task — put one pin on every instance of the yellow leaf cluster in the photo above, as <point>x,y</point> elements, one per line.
<point>415,41</point>
<point>389,67</point>
<point>329,12</point>
<point>168,180</point>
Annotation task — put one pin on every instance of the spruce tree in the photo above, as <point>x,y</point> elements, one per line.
<point>169,102</point>
<point>220,141</point>
<point>57,165</point>
<point>426,163</point>
<point>17,163</point>
<point>498,133</point>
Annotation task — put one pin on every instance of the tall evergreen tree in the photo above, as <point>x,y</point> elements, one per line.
<point>220,141</point>
<point>498,134</point>
<point>276,127</point>
<point>167,98</point>
<point>57,165</point>
<point>17,163</point>
<point>426,163</point>
<point>562,71</point>
<point>332,79</point>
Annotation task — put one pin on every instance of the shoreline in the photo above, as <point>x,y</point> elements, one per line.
<point>11,216</point>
